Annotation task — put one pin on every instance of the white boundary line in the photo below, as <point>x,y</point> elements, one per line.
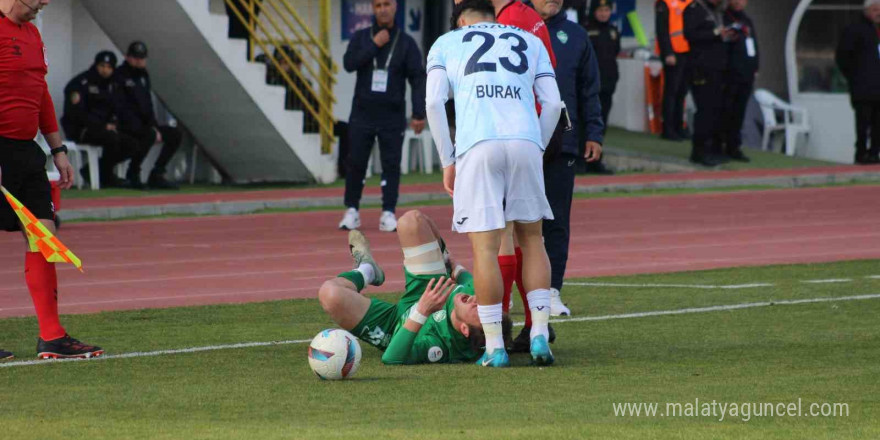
<point>828,281</point>
<point>158,353</point>
<point>678,286</point>
<point>555,321</point>
<point>716,308</point>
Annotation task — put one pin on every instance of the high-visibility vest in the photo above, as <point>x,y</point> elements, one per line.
<point>676,25</point>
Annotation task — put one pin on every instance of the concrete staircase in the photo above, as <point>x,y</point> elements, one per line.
<point>205,80</point>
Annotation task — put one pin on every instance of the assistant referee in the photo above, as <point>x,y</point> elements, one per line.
<point>25,106</point>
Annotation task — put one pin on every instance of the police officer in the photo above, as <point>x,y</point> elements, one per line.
<point>605,39</point>
<point>706,34</point>
<point>739,80</point>
<point>384,58</point>
<point>858,56</point>
<point>675,52</point>
<point>137,119</point>
<point>91,105</point>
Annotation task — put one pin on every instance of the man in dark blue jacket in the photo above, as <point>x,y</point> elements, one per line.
<point>384,58</point>
<point>577,75</point>
<point>138,119</point>
<point>739,79</point>
<point>858,57</point>
<point>91,107</point>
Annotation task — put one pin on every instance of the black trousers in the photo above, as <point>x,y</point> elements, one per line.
<point>606,96</point>
<point>361,138</point>
<point>707,88</point>
<point>24,175</point>
<point>559,176</point>
<point>171,138</point>
<point>116,147</point>
<point>867,127</point>
<point>675,89</point>
<point>733,113</point>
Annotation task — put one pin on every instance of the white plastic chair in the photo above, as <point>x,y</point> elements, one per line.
<point>423,143</point>
<point>93,154</point>
<point>424,148</point>
<point>795,120</point>
<point>74,150</point>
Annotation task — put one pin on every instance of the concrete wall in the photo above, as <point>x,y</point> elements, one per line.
<point>72,39</point>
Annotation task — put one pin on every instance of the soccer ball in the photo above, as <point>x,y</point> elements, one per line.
<point>334,354</point>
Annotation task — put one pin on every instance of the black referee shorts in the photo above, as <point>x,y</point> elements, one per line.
<point>23,165</point>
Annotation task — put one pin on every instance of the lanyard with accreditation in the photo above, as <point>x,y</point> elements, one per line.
<point>380,74</point>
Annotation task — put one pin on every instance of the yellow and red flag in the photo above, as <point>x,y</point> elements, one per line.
<point>39,238</point>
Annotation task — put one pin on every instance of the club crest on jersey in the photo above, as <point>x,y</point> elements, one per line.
<point>562,36</point>
<point>440,315</point>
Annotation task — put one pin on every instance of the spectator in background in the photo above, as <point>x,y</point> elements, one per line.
<point>292,101</point>
<point>706,35</point>
<point>384,57</point>
<point>91,107</point>
<point>739,80</point>
<point>138,119</point>
<point>858,56</point>
<point>675,52</point>
<point>605,38</point>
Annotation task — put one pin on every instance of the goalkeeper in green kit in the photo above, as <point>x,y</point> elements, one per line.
<point>435,321</point>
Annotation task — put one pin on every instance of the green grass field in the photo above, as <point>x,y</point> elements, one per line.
<point>818,352</point>
<point>655,146</point>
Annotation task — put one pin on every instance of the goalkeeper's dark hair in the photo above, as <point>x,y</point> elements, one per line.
<point>483,7</point>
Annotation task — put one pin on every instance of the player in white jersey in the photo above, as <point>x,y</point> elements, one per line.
<point>494,171</point>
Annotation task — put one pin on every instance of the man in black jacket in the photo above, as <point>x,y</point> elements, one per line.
<point>706,34</point>
<point>858,56</point>
<point>577,75</point>
<point>384,57</point>
<point>91,107</point>
<point>739,79</point>
<point>605,38</point>
<point>138,119</point>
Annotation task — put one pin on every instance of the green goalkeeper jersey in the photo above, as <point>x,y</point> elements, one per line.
<point>437,341</point>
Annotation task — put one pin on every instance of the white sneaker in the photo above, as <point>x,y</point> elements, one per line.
<point>388,222</point>
<point>351,220</point>
<point>557,308</point>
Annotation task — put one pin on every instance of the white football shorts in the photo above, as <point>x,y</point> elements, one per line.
<point>499,181</point>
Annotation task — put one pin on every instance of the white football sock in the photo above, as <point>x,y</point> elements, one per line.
<point>490,317</point>
<point>367,271</point>
<point>539,304</point>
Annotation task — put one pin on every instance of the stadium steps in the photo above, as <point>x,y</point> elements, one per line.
<point>205,80</point>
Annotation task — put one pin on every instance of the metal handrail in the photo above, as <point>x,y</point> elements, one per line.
<point>327,70</point>
<point>287,42</point>
<point>323,114</point>
<point>324,50</point>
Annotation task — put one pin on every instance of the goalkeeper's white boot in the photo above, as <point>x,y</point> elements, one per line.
<point>557,308</point>
<point>359,247</point>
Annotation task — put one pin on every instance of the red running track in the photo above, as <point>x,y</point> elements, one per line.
<point>194,261</point>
